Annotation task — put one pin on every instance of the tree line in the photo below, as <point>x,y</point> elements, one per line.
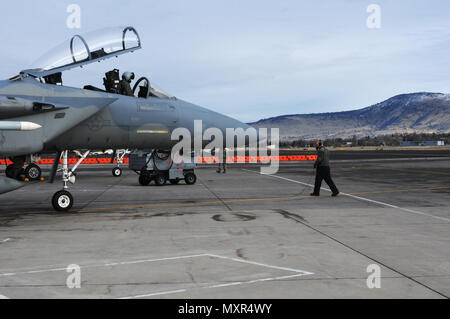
<point>381,140</point>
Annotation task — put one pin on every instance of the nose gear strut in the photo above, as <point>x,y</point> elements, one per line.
<point>62,200</point>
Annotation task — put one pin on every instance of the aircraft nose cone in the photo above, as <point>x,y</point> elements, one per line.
<point>190,114</point>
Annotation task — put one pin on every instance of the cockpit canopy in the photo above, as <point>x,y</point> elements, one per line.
<point>81,50</point>
<point>93,47</point>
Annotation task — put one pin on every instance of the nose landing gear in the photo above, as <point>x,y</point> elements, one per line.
<point>119,156</point>
<point>62,200</point>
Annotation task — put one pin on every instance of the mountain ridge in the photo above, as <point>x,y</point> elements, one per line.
<point>421,112</point>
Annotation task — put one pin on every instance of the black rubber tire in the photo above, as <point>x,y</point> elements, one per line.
<point>9,172</point>
<point>144,180</point>
<point>174,181</point>
<point>160,180</point>
<point>33,172</point>
<point>190,178</point>
<point>117,172</point>
<point>62,201</point>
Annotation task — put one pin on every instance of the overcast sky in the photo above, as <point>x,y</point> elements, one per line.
<point>252,59</point>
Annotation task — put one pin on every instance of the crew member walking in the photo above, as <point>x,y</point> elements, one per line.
<point>223,163</point>
<point>322,165</point>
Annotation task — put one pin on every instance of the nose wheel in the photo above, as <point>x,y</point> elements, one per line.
<point>62,201</point>
<point>117,172</point>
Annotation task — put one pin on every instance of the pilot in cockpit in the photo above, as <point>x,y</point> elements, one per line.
<point>124,87</point>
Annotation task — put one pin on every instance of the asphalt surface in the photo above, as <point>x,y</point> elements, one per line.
<point>377,154</point>
<point>235,235</point>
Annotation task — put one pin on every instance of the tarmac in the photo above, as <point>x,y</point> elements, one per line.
<point>235,235</point>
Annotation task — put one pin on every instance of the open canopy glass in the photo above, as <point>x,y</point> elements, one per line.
<point>84,49</point>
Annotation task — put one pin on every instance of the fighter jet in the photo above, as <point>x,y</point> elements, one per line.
<point>38,114</point>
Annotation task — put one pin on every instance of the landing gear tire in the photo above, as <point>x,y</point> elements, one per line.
<point>190,178</point>
<point>144,180</point>
<point>10,171</point>
<point>117,172</point>
<point>62,201</point>
<point>160,180</point>
<point>33,172</point>
<point>174,181</point>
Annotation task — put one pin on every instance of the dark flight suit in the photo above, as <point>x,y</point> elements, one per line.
<point>323,171</point>
<point>223,165</point>
<point>125,88</point>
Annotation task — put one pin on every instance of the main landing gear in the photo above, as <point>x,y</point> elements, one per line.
<point>17,171</point>
<point>33,172</point>
<point>62,200</point>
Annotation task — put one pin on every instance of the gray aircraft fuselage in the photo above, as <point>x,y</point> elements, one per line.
<point>85,119</point>
<point>40,115</point>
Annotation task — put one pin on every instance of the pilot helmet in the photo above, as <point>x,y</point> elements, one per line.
<point>128,76</point>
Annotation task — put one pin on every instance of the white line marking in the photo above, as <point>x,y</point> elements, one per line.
<point>256,280</point>
<point>5,240</point>
<point>263,265</point>
<point>3,297</point>
<point>298,272</point>
<point>224,285</point>
<point>37,271</point>
<point>357,197</point>
<point>154,294</point>
<point>44,270</point>
<point>153,260</point>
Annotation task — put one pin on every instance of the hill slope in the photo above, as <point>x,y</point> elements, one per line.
<point>416,112</point>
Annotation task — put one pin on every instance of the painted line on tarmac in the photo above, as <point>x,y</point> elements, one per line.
<point>230,284</point>
<point>94,209</point>
<point>45,270</point>
<point>139,261</point>
<point>155,294</point>
<point>298,273</point>
<point>356,197</point>
<point>243,200</point>
<point>403,190</point>
<point>262,265</point>
<point>153,260</point>
<point>238,283</point>
<point>246,200</point>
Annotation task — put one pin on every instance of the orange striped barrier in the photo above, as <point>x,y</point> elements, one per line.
<point>71,161</point>
<point>206,159</point>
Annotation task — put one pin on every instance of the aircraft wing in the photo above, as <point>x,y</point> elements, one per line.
<point>59,115</point>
